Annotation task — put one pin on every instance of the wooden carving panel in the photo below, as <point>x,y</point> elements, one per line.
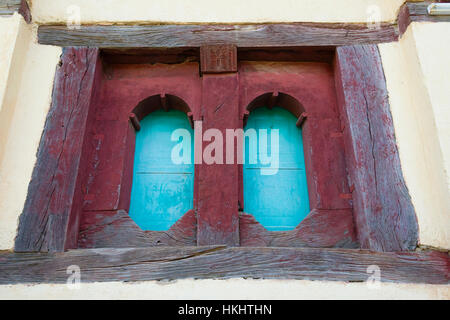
<point>218,58</point>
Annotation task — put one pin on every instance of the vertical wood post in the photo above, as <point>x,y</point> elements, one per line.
<point>48,221</point>
<point>384,215</point>
<point>218,219</point>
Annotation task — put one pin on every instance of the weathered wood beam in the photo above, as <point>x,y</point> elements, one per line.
<point>384,215</point>
<point>251,35</point>
<point>8,7</point>
<point>48,221</point>
<point>320,229</point>
<point>115,229</point>
<point>218,262</point>
<point>416,11</point>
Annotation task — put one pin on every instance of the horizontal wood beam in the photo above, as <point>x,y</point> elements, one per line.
<point>49,221</point>
<point>220,262</point>
<point>251,35</point>
<point>8,7</point>
<point>242,35</point>
<point>417,11</point>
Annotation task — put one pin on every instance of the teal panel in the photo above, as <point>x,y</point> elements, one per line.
<point>278,201</point>
<point>162,190</point>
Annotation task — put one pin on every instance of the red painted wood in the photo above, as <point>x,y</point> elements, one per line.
<point>115,229</point>
<point>220,262</point>
<point>384,215</point>
<point>320,229</point>
<point>125,85</point>
<point>49,221</point>
<point>123,88</point>
<point>24,10</point>
<point>311,85</point>
<point>218,221</point>
<point>127,175</point>
<point>218,58</point>
<point>99,100</point>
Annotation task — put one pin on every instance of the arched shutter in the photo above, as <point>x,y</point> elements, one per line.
<point>162,190</point>
<point>278,201</point>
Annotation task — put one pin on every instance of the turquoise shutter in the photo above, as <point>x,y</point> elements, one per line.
<point>280,201</point>
<point>162,191</point>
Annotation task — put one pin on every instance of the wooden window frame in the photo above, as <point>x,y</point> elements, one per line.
<point>49,221</point>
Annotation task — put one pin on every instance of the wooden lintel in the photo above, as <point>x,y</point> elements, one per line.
<point>417,11</point>
<point>220,262</point>
<point>194,36</point>
<point>8,7</point>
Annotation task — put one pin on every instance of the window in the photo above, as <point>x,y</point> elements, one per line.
<point>124,191</point>
<point>162,190</point>
<point>80,193</point>
<point>278,199</point>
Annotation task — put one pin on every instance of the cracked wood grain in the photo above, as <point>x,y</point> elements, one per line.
<point>384,215</point>
<point>116,229</point>
<point>49,207</point>
<point>251,35</point>
<point>321,228</point>
<point>220,262</point>
<point>217,209</point>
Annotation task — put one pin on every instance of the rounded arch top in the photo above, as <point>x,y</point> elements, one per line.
<point>280,99</point>
<point>161,101</point>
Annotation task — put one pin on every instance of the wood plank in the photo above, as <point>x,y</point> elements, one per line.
<point>384,215</point>
<point>251,35</point>
<point>49,218</point>
<point>320,229</point>
<point>216,262</point>
<point>8,7</point>
<point>217,215</point>
<point>417,11</point>
<point>115,229</point>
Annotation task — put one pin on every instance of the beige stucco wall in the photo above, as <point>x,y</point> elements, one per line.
<point>417,75</point>
<point>227,289</point>
<point>417,70</point>
<point>10,29</point>
<point>30,69</point>
<point>230,11</point>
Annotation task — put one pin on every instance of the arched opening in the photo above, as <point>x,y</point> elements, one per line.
<point>277,198</point>
<point>163,171</point>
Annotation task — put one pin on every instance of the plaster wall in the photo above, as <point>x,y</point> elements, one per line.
<point>30,69</point>
<point>417,75</point>
<point>227,289</point>
<point>207,11</point>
